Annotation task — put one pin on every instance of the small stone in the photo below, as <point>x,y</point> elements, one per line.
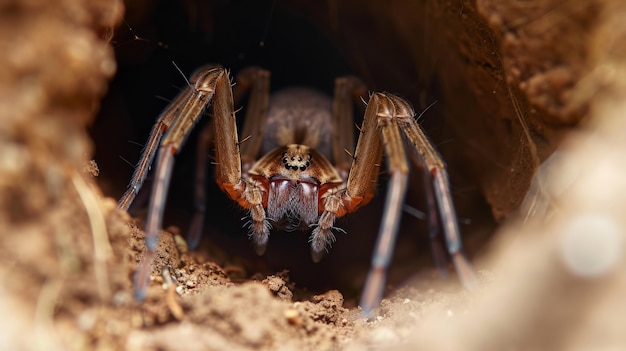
<point>293,317</point>
<point>181,243</point>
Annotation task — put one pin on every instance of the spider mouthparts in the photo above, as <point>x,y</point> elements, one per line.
<point>317,255</point>
<point>260,248</point>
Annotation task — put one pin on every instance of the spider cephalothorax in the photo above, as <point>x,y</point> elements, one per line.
<point>294,178</point>
<point>295,169</point>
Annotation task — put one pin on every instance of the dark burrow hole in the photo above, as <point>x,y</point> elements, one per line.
<point>302,45</point>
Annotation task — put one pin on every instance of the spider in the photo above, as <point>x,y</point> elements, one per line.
<point>306,177</point>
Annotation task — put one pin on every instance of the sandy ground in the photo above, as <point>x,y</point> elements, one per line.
<point>532,96</point>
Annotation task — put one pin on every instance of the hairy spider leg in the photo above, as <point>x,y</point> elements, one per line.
<point>380,131</point>
<point>390,116</point>
<point>164,120</point>
<point>208,82</point>
<point>348,90</point>
<point>257,80</point>
<point>432,215</point>
<point>436,169</point>
<point>433,226</point>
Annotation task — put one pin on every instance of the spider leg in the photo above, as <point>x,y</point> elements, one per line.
<point>433,228</point>
<point>360,185</point>
<point>257,81</point>
<point>248,192</point>
<point>149,151</point>
<point>451,230</point>
<point>196,226</point>
<point>165,119</point>
<point>431,217</point>
<point>208,82</point>
<point>436,169</point>
<point>393,117</point>
<point>347,90</point>
<point>381,130</point>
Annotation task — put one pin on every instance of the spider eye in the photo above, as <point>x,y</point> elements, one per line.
<point>302,168</point>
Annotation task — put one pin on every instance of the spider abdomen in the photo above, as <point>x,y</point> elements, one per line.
<point>299,115</point>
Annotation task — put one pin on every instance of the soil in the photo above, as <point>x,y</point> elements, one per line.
<point>528,116</point>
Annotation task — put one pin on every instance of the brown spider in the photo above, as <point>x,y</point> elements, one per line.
<point>294,185</point>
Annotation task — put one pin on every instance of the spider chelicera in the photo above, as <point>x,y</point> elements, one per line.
<point>293,169</point>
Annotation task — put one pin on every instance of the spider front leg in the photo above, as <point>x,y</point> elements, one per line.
<point>386,118</point>
<point>348,90</point>
<point>212,84</point>
<point>165,119</point>
<point>253,79</point>
<point>430,160</point>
